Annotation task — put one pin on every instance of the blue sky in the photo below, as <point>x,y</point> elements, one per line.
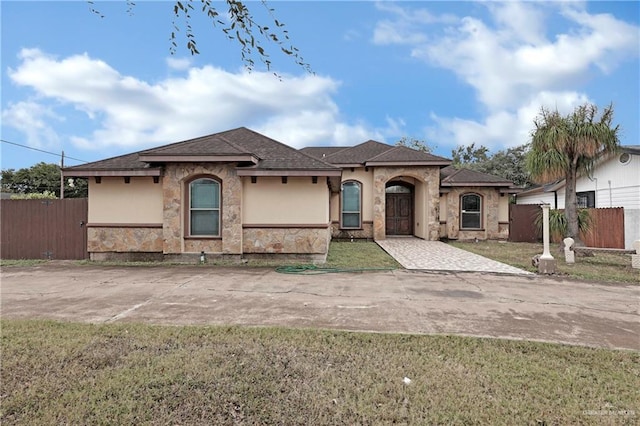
<point>448,73</point>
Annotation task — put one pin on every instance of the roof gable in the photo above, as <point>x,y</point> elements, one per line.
<point>358,154</point>
<point>241,145</point>
<point>406,155</point>
<point>452,176</point>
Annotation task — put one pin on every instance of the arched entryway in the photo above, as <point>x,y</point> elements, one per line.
<point>399,201</point>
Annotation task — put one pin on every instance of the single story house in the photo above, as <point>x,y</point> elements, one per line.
<point>241,194</point>
<point>614,182</point>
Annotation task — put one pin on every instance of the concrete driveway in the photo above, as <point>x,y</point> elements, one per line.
<point>504,306</point>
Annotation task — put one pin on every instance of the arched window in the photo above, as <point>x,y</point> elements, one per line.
<point>470,211</point>
<point>204,207</point>
<point>351,214</point>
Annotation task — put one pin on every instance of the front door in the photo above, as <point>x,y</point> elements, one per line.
<point>399,213</point>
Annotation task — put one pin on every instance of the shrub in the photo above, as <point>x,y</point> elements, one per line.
<point>558,223</point>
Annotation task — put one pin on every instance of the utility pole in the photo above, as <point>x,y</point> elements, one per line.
<point>61,177</point>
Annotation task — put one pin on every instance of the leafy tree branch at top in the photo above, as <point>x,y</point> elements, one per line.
<point>237,23</point>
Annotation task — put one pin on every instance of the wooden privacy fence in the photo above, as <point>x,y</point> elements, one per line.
<point>43,229</point>
<point>522,228</point>
<point>607,228</point>
<point>606,231</point>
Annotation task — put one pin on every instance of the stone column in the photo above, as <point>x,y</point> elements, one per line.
<point>379,212</point>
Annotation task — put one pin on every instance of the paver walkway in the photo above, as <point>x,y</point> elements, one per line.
<point>414,253</point>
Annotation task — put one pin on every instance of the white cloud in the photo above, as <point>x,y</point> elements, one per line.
<point>31,119</point>
<point>514,63</point>
<point>502,128</point>
<point>406,27</point>
<point>178,64</point>
<point>133,113</point>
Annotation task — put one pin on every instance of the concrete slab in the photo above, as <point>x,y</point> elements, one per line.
<point>417,254</point>
<point>478,304</point>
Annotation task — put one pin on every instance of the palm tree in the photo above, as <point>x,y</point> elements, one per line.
<point>564,146</point>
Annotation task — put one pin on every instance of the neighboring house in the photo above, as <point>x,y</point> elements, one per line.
<point>615,182</point>
<point>241,194</point>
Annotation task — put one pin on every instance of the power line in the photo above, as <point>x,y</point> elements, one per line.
<point>42,150</point>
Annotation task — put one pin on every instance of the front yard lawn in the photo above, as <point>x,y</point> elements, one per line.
<point>606,267</point>
<point>63,373</point>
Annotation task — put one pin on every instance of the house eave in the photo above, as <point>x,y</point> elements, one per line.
<point>407,163</point>
<point>288,172</point>
<point>477,184</point>
<point>112,173</point>
<point>510,190</point>
<point>348,165</point>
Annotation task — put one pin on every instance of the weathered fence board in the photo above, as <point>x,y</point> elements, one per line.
<point>607,228</point>
<point>606,231</point>
<point>43,229</point>
<point>521,223</point>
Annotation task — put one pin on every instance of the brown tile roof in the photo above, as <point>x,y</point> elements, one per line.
<point>238,143</point>
<point>358,154</point>
<point>376,153</point>
<point>405,155</point>
<point>322,152</point>
<point>216,144</point>
<point>122,165</point>
<point>451,176</point>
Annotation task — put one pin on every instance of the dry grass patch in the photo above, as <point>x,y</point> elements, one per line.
<point>61,373</point>
<point>607,267</point>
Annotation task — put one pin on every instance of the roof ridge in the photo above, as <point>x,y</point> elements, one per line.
<point>457,170</point>
<point>235,145</point>
<point>391,148</point>
<point>311,157</point>
<point>317,159</point>
<point>342,148</point>
<point>353,148</point>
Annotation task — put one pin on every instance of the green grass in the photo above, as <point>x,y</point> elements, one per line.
<point>603,267</point>
<point>62,373</point>
<point>358,254</point>
<point>342,255</point>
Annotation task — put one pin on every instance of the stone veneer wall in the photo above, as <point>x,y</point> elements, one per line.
<point>286,240</point>
<point>365,233</point>
<point>125,239</point>
<point>429,182</point>
<point>173,187</point>
<point>490,218</point>
<point>503,230</point>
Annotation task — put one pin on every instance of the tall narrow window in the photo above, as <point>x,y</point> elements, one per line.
<point>204,207</point>
<point>351,205</point>
<point>470,211</point>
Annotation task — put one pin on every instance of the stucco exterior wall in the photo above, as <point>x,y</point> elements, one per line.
<point>114,201</point>
<point>297,202</point>
<point>427,183</point>
<point>503,208</point>
<point>491,212</point>
<point>174,191</point>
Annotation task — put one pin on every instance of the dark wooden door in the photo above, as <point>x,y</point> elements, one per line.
<point>399,214</point>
